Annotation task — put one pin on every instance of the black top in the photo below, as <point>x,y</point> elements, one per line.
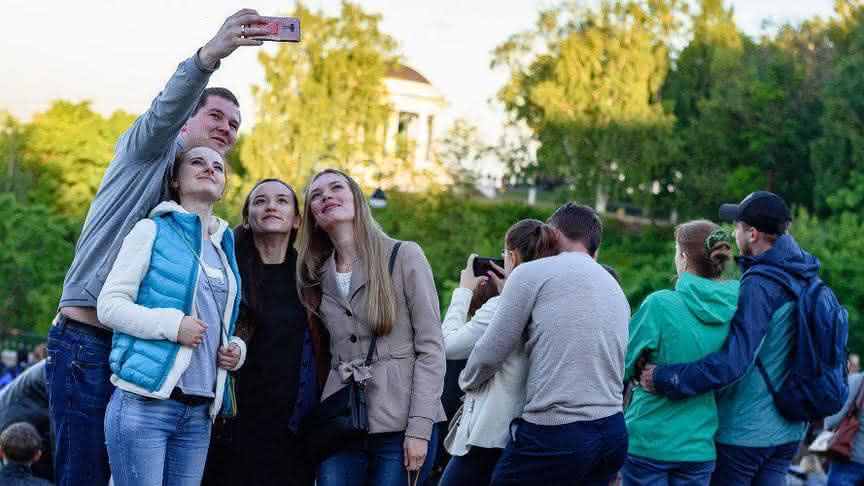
<point>267,382</point>
<point>19,475</point>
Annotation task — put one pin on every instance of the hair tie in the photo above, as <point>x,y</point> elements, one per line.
<point>715,237</point>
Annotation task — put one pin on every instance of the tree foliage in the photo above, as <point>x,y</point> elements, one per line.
<point>37,248</point>
<point>461,149</point>
<point>323,102</point>
<point>68,147</point>
<point>590,94</point>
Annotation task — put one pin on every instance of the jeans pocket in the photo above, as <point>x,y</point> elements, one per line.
<point>91,375</point>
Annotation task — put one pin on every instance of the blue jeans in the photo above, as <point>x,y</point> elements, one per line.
<point>474,468</point>
<point>845,474</point>
<point>377,461</point>
<point>757,466</point>
<point>153,442</point>
<point>77,377</point>
<point>638,471</point>
<point>589,452</point>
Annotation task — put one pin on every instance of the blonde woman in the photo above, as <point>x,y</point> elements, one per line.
<point>344,258</point>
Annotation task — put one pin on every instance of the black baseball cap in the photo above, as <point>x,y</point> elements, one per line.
<point>763,210</point>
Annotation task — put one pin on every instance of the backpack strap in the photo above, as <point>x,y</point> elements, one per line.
<point>391,264</point>
<point>795,290</point>
<point>764,374</point>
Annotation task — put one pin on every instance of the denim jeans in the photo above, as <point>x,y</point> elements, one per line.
<point>589,452</point>
<point>756,466</point>
<point>845,473</point>
<point>77,376</point>
<point>152,442</point>
<point>638,471</point>
<point>474,468</point>
<point>377,461</point>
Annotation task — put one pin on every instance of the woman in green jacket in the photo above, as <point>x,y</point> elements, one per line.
<point>672,441</point>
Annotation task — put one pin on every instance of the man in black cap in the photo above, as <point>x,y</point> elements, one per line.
<point>754,442</point>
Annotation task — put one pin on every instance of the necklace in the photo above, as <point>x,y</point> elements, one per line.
<point>347,267</point>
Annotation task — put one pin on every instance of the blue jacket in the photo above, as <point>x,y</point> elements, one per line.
<point>763,325</point>
<point>151,287</point>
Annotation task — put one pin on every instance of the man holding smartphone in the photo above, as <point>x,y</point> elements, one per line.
<point>77,370</point>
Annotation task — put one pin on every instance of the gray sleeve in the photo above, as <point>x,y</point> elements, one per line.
<point>153,132</point>
<point>854,387</point>
<point>505,331</point>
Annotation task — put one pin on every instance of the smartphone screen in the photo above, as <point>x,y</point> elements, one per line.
<point>482,266</point>
<point>282,29</point>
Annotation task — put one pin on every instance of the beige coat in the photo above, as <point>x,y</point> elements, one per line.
<point>404,392</point>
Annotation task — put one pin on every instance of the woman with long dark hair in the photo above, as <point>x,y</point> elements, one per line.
<point>277,385</point>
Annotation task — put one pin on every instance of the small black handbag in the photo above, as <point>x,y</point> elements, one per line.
<point>342,417</point>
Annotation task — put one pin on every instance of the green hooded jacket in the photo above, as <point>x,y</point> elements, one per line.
<point>677,326</point>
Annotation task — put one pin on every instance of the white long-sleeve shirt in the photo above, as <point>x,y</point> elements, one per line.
<point>487,412</point>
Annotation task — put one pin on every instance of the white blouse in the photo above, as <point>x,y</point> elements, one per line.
<point>344,281</point>
<point>484,419</point>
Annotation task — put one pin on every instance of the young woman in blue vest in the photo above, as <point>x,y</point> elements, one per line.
<point>172,299</point>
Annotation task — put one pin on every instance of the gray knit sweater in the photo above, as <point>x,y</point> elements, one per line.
<point>574,317</point>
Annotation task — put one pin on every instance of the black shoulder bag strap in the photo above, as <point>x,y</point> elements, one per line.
<point>390,271</point>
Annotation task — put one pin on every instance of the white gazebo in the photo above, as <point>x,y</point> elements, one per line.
<point>416,104</point>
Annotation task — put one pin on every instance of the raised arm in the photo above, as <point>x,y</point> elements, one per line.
<point>505,331</point>
<point>746,334</point>
<point>158,127</point>
<point>460,335</point>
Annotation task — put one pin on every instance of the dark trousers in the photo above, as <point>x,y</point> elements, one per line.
<point>473,469</point>
<point>639,471</point>
<point>77,375</point>
<point>756,466</point>
<point>845,473</point>
<point>378,461</point>
<point>577,453</point>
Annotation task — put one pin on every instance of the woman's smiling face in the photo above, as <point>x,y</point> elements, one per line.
<point>272,209</point>
<point>331,200</point>
<point>201,173</point>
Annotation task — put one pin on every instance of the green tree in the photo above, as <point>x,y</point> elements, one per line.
<point>461,149</point>
<point>68,147</point>
<point>838,242</point>
<point>591,97</point>
<point>714,50</point>
<point>323,102</point>
<point>839,152</point>
<point>37,249</point>
<point>15,178</point>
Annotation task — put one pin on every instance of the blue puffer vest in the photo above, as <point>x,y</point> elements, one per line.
<point>170,282</point>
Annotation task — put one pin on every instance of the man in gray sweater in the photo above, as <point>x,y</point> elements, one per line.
<point>573,317</point>
<point>183,114</point>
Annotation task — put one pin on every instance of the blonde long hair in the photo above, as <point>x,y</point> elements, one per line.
<point>316,247</point>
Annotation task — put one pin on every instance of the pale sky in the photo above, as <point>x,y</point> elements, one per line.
<point>120,53</point>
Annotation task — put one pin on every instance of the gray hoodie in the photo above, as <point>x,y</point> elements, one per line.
<point>134,182</point>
